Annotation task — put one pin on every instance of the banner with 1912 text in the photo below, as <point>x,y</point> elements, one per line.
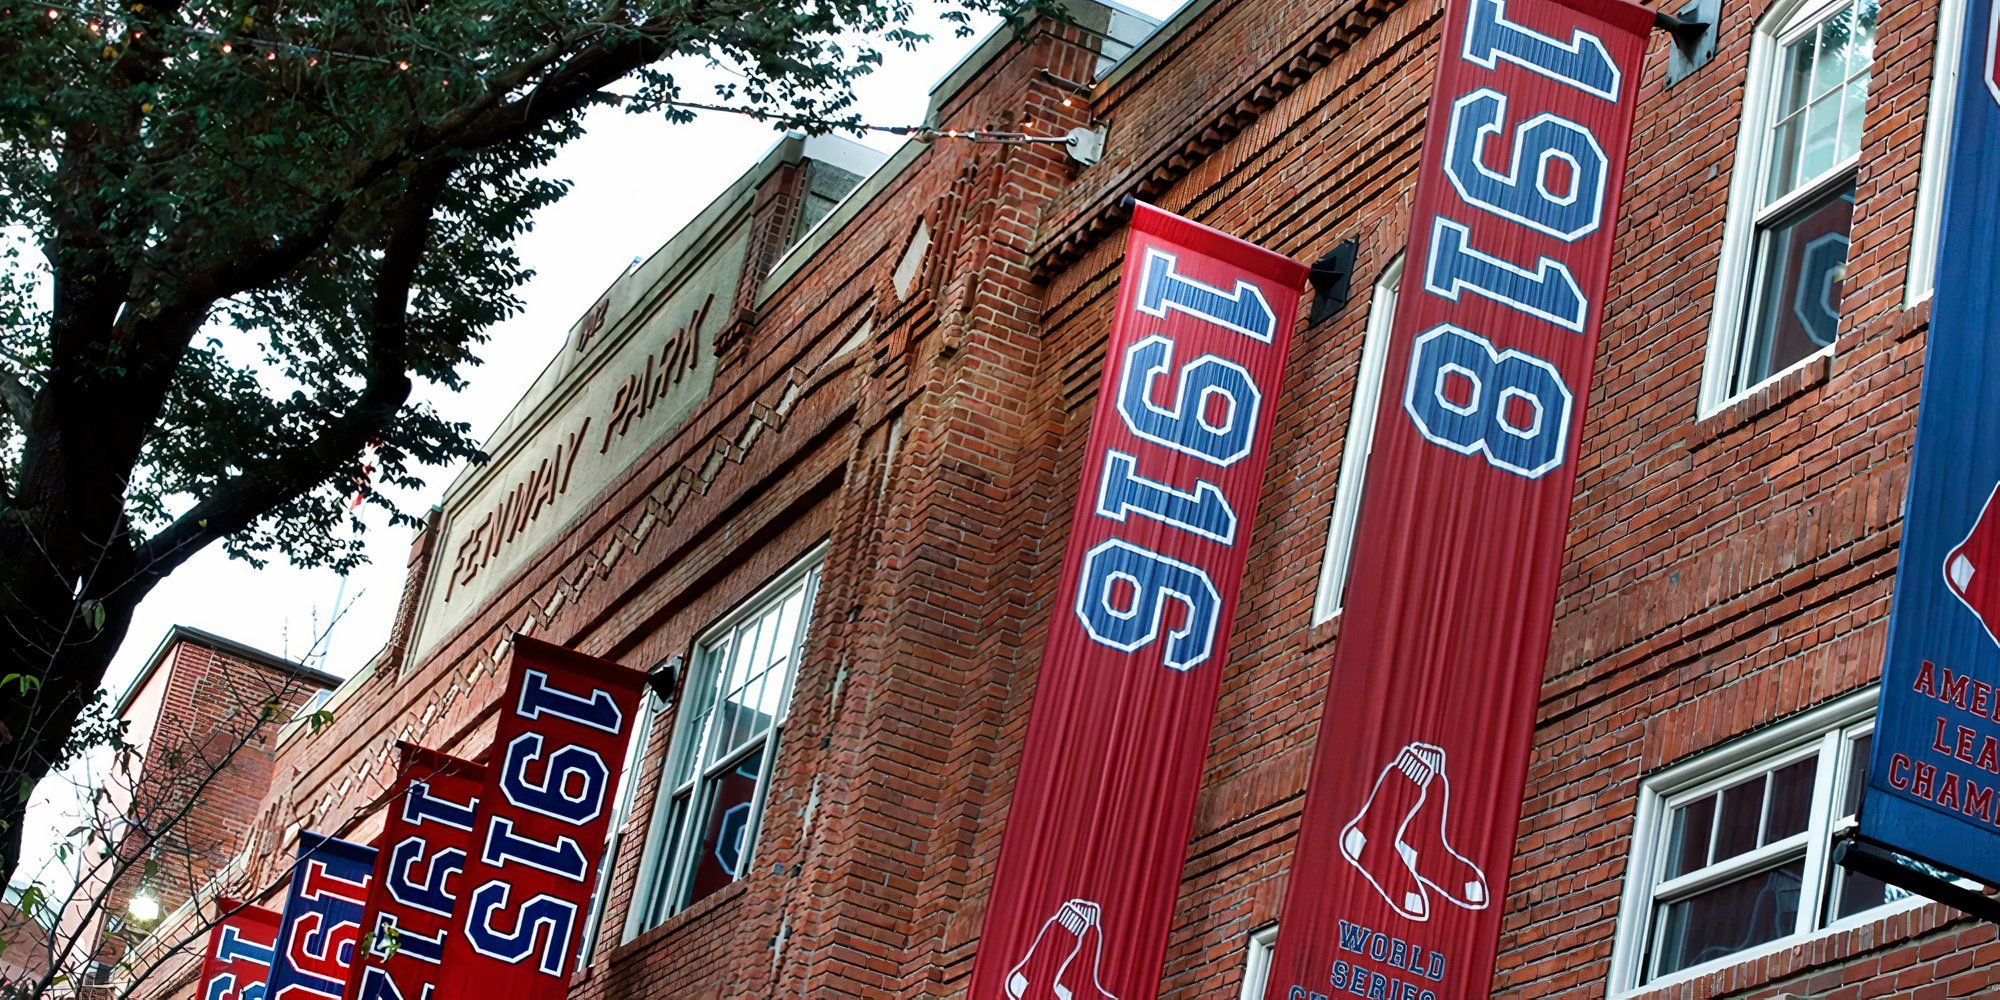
<point>321,930</point>
<point>539,829</point>
<point>1934,768</point>
<point>1415,790</point>
<point>424,842</point>
<point>241,945</point>
<point>1090,862</point>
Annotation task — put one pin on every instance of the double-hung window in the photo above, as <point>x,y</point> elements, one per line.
<point>1792,202</point>
<point>1339,557</point>
<point>718,768</point>
<point>1733,851</point>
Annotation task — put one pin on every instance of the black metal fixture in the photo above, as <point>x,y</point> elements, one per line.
<point>1333,280</point>
<point>1859,854</point>
<point>1693,32</point>
<point>665,681</point>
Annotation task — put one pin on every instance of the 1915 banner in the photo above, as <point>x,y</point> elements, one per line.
<point>424,843</point>
<point>1935,765</point>
<point>321,930</point>
<point>1095,837</point>
<point>539,829</point>
<point>241,946</point>
<point>1409,817</point>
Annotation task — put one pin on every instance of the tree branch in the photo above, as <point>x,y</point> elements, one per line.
<point>236,503</point>
<point>16,399</point>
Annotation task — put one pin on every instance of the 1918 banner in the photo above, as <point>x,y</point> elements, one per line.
<point>321,930</point>
<point>1095,836</point>
<point>539,830</point>
<point>424,842</point>
<point>1934,769</point>
<point>1409,818</point>
<point>241,945</point>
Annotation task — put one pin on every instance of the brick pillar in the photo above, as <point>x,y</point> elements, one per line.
<point>773,210</point>
<point>950,613</point>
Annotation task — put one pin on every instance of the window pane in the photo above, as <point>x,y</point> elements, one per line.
<point>1729,918</point>
<point>1821,91</point>
<point>1861,49</point>
<point>1830,61</point>
<point>1741,816</point>
<point>1857,773</point>
<point>728,808</point>
<point>1693,823</point>
<point>1801,264</point>
<point>676,818</point>
<point>1791,800</point>
<point>1854,893</point>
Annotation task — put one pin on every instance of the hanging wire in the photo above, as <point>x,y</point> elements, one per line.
<point>229,43</point>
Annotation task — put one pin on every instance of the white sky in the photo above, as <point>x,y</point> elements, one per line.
<point>636,180</point>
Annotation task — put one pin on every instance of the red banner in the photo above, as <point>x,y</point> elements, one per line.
<point>1401,866</point>
<point>422,850</point>
<point>240,948</point>
<point>1091,861</point>
<point>538,832</point>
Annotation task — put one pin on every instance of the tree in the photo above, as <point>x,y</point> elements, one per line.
<point>233,235</point>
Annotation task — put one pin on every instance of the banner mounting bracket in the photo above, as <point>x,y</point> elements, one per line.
<point>1867,857</point>
<point>1693,32</point>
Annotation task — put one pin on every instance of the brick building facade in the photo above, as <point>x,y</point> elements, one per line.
<point>199,723</point>
<point>817,457</point>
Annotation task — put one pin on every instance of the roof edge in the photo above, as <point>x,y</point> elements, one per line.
<point>221,644</point>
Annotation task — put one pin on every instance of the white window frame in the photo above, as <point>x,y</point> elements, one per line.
<point>650,892</point>
<point>1826,731</point>
<point>621,814</point>
<point>1257,956</point>
<point>1339,558</point>
<point>1748,211</point>
<point>1948,57</point>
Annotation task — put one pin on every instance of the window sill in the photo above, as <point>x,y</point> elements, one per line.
<point>723,898</point>
<point>1807,376</point>
<point>1841,941</point>
<point>1319,633</point>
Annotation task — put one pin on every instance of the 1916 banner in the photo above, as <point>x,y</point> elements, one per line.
<point>241,946</point>
<point>321,930</point>
<point>1409,817</point>
<point>424,843</point>
<point>1098,828</point>
<point>1935,765</point>
<point>539,830</point>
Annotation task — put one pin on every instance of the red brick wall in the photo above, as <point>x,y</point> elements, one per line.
<point>1721,574</point>
<point>200,773</point>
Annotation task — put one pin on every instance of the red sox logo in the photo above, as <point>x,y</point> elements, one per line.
<point>1972,568</point>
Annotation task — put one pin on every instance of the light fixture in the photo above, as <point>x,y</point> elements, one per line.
<point>144,907</point>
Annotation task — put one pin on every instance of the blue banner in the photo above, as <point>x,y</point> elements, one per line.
<point>1934,773</point>
<point>321,929</point>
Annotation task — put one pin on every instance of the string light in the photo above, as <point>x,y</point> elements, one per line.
<point>314,55</point>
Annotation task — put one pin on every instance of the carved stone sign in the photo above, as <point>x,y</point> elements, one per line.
<point>635,368</point>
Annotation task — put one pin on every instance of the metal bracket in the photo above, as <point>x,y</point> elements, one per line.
<point>1693,31</point>
<point>665,681</point>
<point>1086,145</point>
<point>1859,854</point>
<point>1332,280</point>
